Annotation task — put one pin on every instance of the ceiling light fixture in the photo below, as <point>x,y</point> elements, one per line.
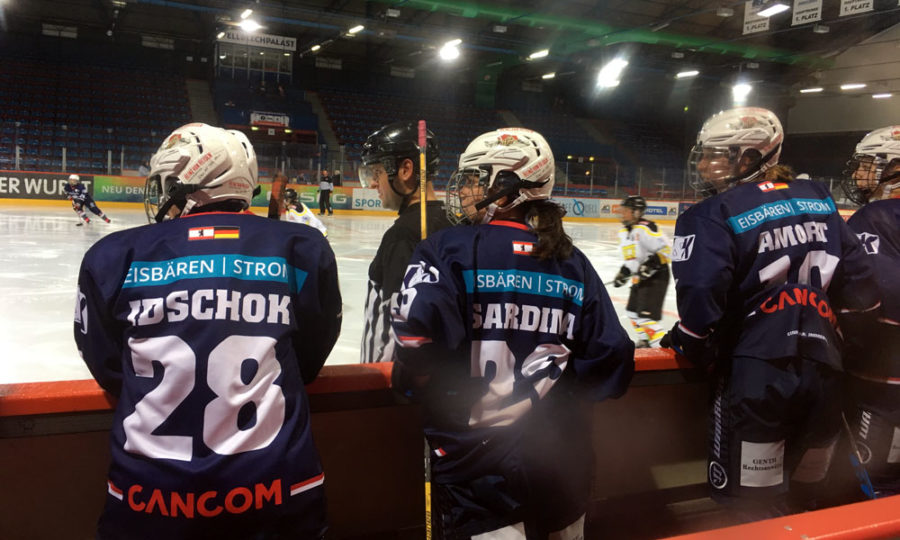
<point>813,90</point>
<point>539,54</point>
<point>687,74</point>
<point>882,96</point>
<point>246,13</point>
<point>356,29</point>
<point>821,28</point>
<point>249,25</point>
<point>740,92</point>
<point>315,48</point>
<point>853,86</point>
<point>548,75</point>
<point>774,9</point>
<point>610,73</point>
<point>724,12</point>
<point>449,52</point>
<point>220,35</point>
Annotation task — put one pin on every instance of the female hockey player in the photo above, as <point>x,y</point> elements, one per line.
<point>872,354</point>
<point>504,330</point>
<point>297,212</point>
<point>761,267</point>
<point>206,329</point>
<point>646,252</point>
<point>80,197</point>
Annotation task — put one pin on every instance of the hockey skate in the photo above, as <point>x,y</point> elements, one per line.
<point>106,219</point>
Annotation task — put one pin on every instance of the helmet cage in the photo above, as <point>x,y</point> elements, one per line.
<point>290,196</point>
<point>863,175</point>
<point>466,189</point>
<point>722,166</point>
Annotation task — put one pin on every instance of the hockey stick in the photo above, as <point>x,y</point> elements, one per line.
<point>865,484</point>
<point>422,178</point>
<point>424,233</point>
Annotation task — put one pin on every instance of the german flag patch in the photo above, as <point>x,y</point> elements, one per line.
<point>522,248</point>
<point>214,233</point>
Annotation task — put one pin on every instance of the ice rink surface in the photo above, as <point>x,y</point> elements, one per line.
<point>39,270</point>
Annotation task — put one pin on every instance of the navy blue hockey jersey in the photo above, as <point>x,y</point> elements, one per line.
<point>502,335</point>
<point>761,269</point>
<point>206,328</point>
<point>79,192</point>
<point>873,350</point>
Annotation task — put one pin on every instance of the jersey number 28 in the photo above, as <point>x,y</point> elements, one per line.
<point>221,430</point>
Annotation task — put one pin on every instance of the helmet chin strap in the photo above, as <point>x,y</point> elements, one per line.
<point>180,196</point>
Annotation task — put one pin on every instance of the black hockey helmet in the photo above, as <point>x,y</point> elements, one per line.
<point>635,202</point>
<point>290,196</point>
<point>393,143</point>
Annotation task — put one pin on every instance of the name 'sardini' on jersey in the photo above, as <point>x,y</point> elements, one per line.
<point>525,317</point>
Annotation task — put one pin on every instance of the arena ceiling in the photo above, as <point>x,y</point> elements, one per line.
<point>497,36</point>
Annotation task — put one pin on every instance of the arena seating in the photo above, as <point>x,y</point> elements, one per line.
<point>103,108</point>
<point>354,116</point>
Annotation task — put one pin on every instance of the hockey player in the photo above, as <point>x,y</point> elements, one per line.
<point>504,332</point>
<point>78,194</point>
<point>646,252</point>
<point>206,329</point>
<point>298,212</point>
<point>872,353</point>
<point>390,159</point>
<point>761,267</point>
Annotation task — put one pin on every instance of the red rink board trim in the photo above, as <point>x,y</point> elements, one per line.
<point>84,395</point>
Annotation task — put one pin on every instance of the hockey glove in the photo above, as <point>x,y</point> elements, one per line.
<point>622,277</point>
<point>666,341</point>
<point>650,267</point>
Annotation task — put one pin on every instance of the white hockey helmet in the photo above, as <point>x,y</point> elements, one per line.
<point>877,152</point>
<point>74,179</point>
<point>509,161</point>
<point>199,164</point>
<point>734,146</point>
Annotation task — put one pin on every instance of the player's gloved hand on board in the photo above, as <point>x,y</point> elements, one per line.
<point>622,277</point>
<point>650,267</point>
<point>666,341</point>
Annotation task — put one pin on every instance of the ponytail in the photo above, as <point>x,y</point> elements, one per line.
<point>545,218</point>
<point>779,173</point>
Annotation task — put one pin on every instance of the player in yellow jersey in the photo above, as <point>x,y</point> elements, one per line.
<point>646,251</point>
<point>296,211</point>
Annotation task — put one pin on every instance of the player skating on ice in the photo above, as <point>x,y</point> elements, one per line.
<point>80,197</point>
<point>762,266</point>
<point>646,252</point>
<point>390,159</point>
<point>206,327</point>
<point>872,352</point>
<point>297,212</point>
<point>504,332</point>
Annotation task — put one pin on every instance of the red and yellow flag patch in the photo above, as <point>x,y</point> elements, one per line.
<point>214,233</point>
<point>769,186</point>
